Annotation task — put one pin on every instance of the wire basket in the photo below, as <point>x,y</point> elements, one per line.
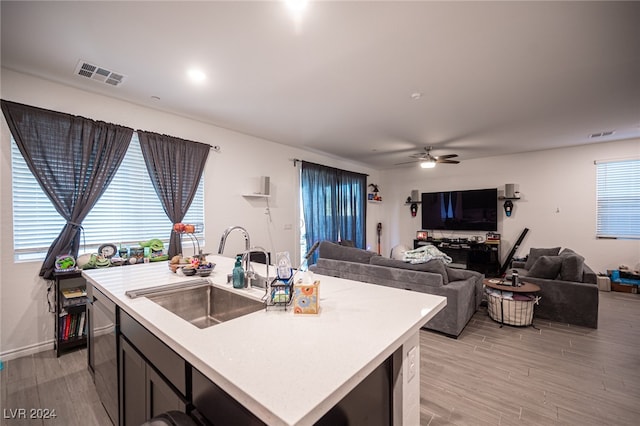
<point>279,294</point>
<point>515,312</point>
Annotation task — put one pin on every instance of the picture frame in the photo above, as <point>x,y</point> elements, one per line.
<point>422,235</point>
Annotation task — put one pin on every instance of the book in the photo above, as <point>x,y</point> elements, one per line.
<point>71,293</point>
<point>81,325</point>
<point>72,326</point>
<point>67,323</point>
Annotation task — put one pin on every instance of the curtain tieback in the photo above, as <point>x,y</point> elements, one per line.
<point>75,225</point>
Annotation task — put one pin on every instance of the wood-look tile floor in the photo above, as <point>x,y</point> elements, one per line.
<point>554,375</point>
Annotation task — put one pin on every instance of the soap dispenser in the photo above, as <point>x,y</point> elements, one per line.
<point>238,273</point>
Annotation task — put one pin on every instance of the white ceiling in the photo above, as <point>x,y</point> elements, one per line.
<point>495,77</point>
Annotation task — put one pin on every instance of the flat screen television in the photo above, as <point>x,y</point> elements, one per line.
<point>471,210</point>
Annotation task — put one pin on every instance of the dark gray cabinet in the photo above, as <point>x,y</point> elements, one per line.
<point>152,377</point>
<point>132,389</point>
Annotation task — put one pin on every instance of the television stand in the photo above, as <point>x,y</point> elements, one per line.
<point>481,257</point>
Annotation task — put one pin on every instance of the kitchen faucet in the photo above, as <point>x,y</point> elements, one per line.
<point>247,244</point>
<point>225,234</point>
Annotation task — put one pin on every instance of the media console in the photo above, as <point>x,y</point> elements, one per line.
<point>481,257</point>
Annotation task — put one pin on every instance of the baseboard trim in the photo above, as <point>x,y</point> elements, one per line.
<point>27,350</point>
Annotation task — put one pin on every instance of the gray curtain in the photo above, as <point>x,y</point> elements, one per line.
<point>73,159</point>
<point>175,167</point>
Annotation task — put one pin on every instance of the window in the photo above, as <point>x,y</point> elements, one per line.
<point>618,199</point>
<point>128,212</point>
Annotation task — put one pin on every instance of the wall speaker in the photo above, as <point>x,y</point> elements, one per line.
<point>510,190</point>
<point>414,195</point>
<point>265,186</point>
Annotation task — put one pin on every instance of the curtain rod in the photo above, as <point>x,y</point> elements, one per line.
<point>216,148</point>
<point>297,160</point>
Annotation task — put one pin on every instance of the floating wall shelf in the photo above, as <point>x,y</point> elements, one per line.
<point>256,195</point>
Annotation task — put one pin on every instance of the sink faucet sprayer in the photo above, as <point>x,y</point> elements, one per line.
<point>250,274</point>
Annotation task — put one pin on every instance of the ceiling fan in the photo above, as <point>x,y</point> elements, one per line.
<point>428,161</point>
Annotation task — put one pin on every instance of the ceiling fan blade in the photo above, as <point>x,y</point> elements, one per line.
<point>447,161</point>
<point>444,157</point>
<point>407,162</point>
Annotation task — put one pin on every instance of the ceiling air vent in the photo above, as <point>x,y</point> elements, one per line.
<point>601,134</point>
<point>99,74</point>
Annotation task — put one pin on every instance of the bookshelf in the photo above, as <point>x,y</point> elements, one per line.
<point>70,316</point>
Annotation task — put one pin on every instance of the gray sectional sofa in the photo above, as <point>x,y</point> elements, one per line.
<point>462,288</point>
<point>568,287</point>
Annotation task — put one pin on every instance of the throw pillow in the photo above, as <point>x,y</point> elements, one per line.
<point>455,274</point>
<point>435,266</point>
<point>329,250</point>
<point>535,253</point>
<point>546,267</point>
<point>572,267</point>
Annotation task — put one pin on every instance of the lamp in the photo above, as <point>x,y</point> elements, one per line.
<point>428,163</point>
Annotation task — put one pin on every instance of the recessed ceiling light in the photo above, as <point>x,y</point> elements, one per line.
<point>416,95</point>
<point>296,6</point>
<point>196,75</point>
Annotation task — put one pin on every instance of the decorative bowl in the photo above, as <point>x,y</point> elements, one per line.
<point>189,271</point>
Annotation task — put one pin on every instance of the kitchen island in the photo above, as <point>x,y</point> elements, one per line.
<point>284,368</point>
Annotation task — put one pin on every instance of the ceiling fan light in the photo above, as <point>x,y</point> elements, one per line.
<point>427,164</point>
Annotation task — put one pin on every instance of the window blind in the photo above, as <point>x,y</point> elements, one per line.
<point>618,199</point>
<point>127,213</point>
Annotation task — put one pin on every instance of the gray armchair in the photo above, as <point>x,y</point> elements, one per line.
<point>568,287</point>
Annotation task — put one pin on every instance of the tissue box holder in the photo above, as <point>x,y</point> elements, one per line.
<point>306,298</point>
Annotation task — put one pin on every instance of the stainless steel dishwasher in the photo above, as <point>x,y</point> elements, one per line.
<point>103,350</point>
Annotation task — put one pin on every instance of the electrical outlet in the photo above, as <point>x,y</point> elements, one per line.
<point>411,361</point>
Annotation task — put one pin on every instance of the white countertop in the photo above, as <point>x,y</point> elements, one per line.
<point>284,368</point>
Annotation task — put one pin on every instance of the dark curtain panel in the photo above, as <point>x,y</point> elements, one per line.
<point>333,203</point>
<point>73,159</point>
<point>351,206</point>
<point>175,167</point>
<point>319,202</point>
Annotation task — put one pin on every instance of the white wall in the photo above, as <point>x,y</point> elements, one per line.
<point>26,324</point>
<point>558,200</point>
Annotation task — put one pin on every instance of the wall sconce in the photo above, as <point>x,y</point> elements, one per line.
<point>508,207</point>
<point>413,202</point>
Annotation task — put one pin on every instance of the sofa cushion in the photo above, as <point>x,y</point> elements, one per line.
<point>329,250</point>
<point>435,266</point>
<point>546,267</point>
<point>572,266</point>
<point>455,274</point>
<point>535,253</point>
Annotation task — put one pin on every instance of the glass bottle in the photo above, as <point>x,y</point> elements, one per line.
<point>238,273</point>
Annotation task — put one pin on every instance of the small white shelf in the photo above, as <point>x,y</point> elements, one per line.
<point>256,195</point>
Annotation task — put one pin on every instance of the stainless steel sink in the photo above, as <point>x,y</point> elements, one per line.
<point>205,305</point>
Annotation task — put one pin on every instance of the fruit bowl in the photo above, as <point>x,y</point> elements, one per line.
<point>189,271</point>
<point>204,272</point>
